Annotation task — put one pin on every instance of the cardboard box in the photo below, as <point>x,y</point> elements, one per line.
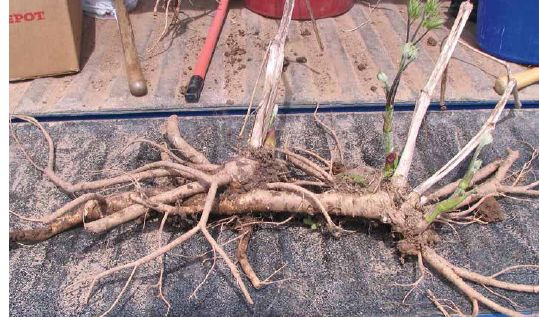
<point>44,37</point>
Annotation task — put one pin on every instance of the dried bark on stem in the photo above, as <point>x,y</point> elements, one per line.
<point>487,127</point>
<point>274,68</point>
<point>264,59</point>
<point>400,176</point>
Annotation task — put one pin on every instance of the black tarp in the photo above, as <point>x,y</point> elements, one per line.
<point>354,275</point>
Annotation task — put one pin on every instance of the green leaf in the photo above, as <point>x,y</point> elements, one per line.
<point>432,19</point>
<point>431,23</point>
<point>271,139</point>
<point>392,161</point>
<point>414,9</point>
<point>273,115</point>
<point>432,8</point>
<point>381,76</point>
<point>475,165</point>
<point>358,179</point>
<point>485,140</point>
<point>409,53</point>
<point>310,222</point>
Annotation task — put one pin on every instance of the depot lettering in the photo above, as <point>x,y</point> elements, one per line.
<point>26,17</point>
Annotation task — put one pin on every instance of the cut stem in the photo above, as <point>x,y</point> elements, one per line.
<point>487,127</point>
<point>401,174</point>
<point>274,68</point>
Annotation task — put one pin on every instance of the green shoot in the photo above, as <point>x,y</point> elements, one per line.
<point>461,192</point>
<point>426,16</point>
<point>446,206</point>
<point>355,178</point>
<point>309,220</point>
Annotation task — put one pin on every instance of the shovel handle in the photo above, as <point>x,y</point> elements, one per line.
<point>135,77</point>
<point>524,79</point>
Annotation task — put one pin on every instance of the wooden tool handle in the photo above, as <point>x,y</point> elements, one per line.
<point>524,79</point>
<point>135,78</point>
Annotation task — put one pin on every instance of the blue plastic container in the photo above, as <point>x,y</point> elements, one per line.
<point>509,29</point>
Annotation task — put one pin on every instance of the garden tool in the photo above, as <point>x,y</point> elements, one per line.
<point>135,77</point>
<point>524,79</point>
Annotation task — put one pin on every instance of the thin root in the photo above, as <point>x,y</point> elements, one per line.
<point>331,132</point>
<point>315,202</point>
<point>121,292</point>
<point>415,285</point>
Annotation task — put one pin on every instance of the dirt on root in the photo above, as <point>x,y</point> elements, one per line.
<point>269,170</point>
<point>358,180</point>
<point>490,210</point>
<point>411,245</point>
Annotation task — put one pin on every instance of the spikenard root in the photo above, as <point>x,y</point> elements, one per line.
<point>267,181</point>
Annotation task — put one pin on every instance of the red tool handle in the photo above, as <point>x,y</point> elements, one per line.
<point>197,80</point>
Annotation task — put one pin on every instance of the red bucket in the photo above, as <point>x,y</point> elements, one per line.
<point>321,8</point>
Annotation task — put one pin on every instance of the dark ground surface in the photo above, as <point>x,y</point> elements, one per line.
<point>354,275</point>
